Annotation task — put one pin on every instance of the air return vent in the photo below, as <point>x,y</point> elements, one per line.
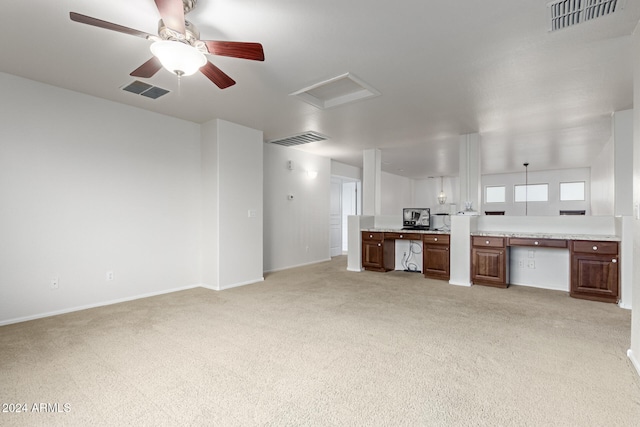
<point>567,13</point>
<point>302,138</point>
<point>144,89</point>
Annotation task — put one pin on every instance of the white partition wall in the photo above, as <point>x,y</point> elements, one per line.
<point>232,205</point>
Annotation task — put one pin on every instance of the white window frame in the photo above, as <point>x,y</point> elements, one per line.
<point>528,188</point>
<point>486,194</point>
<point>584,191</point>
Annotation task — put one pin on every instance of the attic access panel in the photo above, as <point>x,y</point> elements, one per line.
<point>336,91</point>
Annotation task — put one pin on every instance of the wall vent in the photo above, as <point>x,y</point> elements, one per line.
<point>567,13</point>
<point>145,89</point>
<point>299,139</point>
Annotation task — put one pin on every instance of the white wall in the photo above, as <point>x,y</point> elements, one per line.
<point>232,198</point>
<point>552,177</point>
<point>623,163</point>
<point>89,186</point>
<point>427,191</point>
<point>602,181</point>
<point>296,232</point>
<point>634,352</point>
<point>346,171</point>
<point>396,193</point>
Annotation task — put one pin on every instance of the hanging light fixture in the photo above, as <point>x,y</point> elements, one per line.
<point>526,186</point>
<point>442,198</point>
<point>179,58</point>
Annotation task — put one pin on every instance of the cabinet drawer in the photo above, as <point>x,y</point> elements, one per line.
<point>403,236</point>
<point>373,235</point>
<point>595,247</point>
<point>488,242</point>
<point>543,243</point>
<point>436,239</point>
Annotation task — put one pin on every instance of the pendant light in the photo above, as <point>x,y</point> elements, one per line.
<point>442,198</point>
<point>526,186</point>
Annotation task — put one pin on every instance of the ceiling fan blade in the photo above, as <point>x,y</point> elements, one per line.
<point>148,69</point>
<point>84,19</point>
<point>243,50</point>
<point>172,13</point>
<point>217,76</point>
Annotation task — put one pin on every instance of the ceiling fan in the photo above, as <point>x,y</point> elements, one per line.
<point>178,47</point>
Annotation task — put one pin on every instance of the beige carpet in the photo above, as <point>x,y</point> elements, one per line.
<point>320,346</point>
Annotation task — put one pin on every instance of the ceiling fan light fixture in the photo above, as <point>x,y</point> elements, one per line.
<point>179,58</point>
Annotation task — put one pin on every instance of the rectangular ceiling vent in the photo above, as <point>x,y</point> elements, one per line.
<point>336,91</point>
<point>302,138</point>
<point>567,13</point>
<point>144,89</point>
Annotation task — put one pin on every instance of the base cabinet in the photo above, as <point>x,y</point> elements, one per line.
<point>489,261</point>
<point>435,259</point>
<point>594,270</point>
<point>375,256</point>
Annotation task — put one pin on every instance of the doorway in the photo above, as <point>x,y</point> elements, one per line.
<point>345,201</point>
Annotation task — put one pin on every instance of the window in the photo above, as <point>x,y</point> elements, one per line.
<point>494,194</point>
<point>572,191</point>
<point>532,193</point>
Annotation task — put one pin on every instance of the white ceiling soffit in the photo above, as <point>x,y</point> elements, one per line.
<point>566,13</point>
<point>336,91</point>
<point>299,139</point>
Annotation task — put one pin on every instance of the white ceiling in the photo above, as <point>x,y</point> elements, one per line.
<point>443,68</point>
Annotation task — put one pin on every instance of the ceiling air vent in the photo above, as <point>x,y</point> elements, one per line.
<point>302,138</point>
<point>144,89</point>
<point>567,13</point>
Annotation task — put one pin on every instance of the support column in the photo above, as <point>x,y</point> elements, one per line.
<point>470,186</point>
<point>371,172</point>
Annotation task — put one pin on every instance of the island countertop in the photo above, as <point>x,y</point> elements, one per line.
<point>401,230</point>
<point>559,236</point>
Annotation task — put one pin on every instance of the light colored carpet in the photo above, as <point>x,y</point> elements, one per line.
<point>320,346</point>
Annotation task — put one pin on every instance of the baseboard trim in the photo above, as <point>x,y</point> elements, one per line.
<point>466,284</point>
<point>298,265</point>
<point>357,270</point>
<point>95,305</point>
<point>636,363</point>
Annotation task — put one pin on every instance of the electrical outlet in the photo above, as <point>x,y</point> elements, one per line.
<point>521,263</point>
<point>532,264</point>
<point>532,254</point>
<point>54,284</point>
<point>110,276</point>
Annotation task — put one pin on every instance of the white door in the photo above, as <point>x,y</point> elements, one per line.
<point>335,219</point>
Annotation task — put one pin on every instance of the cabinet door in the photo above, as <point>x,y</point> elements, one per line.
<point>436,261</point>
<point>372,255</point>
<point>594,277</point>
<point>488,267</point>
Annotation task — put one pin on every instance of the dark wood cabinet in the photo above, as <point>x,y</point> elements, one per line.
<point>594,270</point>
<point>376,254</point>
<point>435,258</point>
<point>489,261</point>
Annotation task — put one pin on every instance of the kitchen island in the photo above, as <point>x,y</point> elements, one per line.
<point>379,246</point>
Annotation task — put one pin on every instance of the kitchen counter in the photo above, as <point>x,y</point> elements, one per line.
<point>400,230</point>
<point>559,236</point>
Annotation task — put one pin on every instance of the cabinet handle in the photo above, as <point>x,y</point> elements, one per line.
<point>535,243</point>
<point>401,236</point>
<point>378,244</point>
<point>614,260</point>
<point>371,236</point>
<point>487,242</point>
<point>435,240</point>
<point>595,248</point>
